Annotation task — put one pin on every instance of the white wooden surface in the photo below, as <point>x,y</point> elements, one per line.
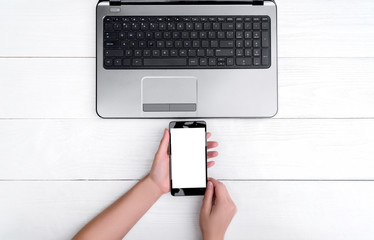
<point>306,174</point>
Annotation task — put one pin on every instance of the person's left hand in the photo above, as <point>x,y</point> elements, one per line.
<point>160,173</point>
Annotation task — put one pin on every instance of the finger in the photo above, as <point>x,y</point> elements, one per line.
<point>212,154</point>
<point>212,144</point>
<point>208,135</point>
<point>164,144</point>
<point>211,164</point>
<point>219,189</point>
<point>208,198</point>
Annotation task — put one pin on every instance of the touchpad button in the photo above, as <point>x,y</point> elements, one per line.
<point>179,93</point>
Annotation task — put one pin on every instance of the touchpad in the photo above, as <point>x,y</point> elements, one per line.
<point>169,94</point>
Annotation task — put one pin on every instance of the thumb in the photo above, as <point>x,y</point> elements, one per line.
<point>208,198</point>
<point>164,144</point>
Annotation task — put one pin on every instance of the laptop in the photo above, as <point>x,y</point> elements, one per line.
<point>186,59</point>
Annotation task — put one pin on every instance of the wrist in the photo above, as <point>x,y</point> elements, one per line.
<point>153,186</point>
<point>211,237</point>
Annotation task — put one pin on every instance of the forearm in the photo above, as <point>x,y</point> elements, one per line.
<point>117,220</point>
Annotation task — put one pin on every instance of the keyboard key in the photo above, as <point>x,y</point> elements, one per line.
<point>126,26</point>
<point>126,62</point>
<point>239,26</point>
<point>137,62</point>
<point>221,35</point>
<point>198,26</point>
<point>243,61</point>
<point>210,52</point>
<point>257,61</point>
<point>147,53</point>
<point>212,35</point>
<point>247,35</point>
<point>216,26</point>
<point>239,43</point>
<point>265,39</point>
<point>187,44</point>
<point>165,53</point>
<point>117,26</point>
<point>227,26</point>
<point>248,43</point>
<point>201,53</point>
<point>207,26</point>
<point>239,52</point>
<point>230,62</point>
<point>224,52</point>
<point>173,53</point>
<point>111,44</point>
<point>108,62</point>
<point>193,62</point>
<point>256,52</point>
<point>110,36</point>
<point>108,27</point>
<point>176,35</point>
<point>138,53</point>
<point>180,26</point>
<point>230,35</point>
<point>156,53</point>
<point>212,61</point>
<point>192,53</point>
<point>183,53</point>
<point>214,44</point>
<point>205,44</point>
<point>248,52</point>
<point>265,56</point>
<point>203,61</point>
<point>165,62</point>
<point>256,43</point>
<point>265,26</point>
<point>128,53</point>
<point>239,35</point>
<point>226,44</point>
<point>117,62</point>
<point>247,26</point>
<point>256,26</point>
<point>113,53</point>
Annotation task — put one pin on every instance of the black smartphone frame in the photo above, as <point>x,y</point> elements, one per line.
<point>187,191</point>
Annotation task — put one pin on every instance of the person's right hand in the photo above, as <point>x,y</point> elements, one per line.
<point>216,214</point>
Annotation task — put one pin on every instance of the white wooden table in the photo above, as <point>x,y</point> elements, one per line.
<point>308,173</point>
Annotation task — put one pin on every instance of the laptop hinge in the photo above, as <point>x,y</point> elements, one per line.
<point>258,2</point>
<point>136,2</point>
<point>115,2</point>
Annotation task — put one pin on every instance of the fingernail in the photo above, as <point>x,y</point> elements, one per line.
<point>210,184</point>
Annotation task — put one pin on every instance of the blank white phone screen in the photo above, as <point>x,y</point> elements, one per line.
<point>188,158</point>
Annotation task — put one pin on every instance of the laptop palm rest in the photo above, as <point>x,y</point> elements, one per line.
<point>169,94</point>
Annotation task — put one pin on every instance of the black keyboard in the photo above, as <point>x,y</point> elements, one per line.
<point>193,42</point>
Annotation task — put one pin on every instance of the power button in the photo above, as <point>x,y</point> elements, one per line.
<point>115,10</point>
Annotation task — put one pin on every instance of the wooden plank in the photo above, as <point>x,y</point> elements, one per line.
<point>249,149</point>
<point>47,88</point>
<point>266,210</point>
<point>307,28</point>
<point>319,28</point>
<point>65,88</point>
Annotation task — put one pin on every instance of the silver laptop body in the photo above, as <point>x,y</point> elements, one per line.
<point>186,93</point>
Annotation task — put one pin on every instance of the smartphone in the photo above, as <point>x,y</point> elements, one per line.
<point>188,158</point>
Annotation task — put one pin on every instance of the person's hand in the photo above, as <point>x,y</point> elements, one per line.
<point>160,173</point>
<point>216,214</point>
